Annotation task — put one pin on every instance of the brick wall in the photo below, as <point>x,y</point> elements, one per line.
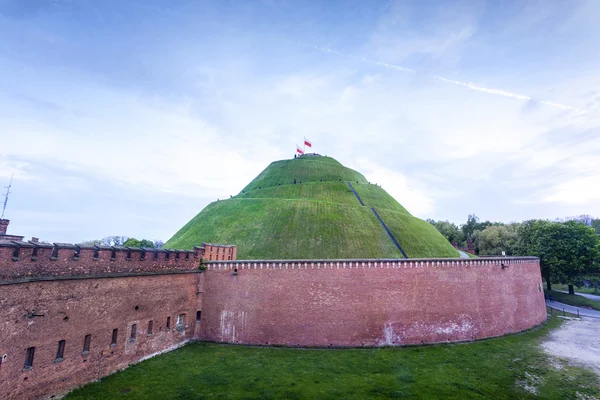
<point>295,303</point>
<point>370,302</point>
<point>40,314</point>
<point>29,260</point>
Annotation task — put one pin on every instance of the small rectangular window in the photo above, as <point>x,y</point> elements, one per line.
<point>29,357</point>
<point>150,326</point>
<point>60,352</point>
<point>198,314</point>
<point>168,323</point>
<point>86,343</point>
<point>133,332</point>
<point>181,320</point>
<point>114,337</point>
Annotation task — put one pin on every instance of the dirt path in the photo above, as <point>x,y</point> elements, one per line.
<point>578,341</point>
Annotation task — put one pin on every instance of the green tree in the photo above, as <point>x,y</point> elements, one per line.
<point>133,242</point>
<point>473,224</point>
<point>496,239</point>
<point>449,230</point>
<point>596,225</point>
<point>568,251</point>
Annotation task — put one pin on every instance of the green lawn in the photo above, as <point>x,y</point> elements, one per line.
<point>574,299</point>
<point>588,290</point>
<point>492,369</point>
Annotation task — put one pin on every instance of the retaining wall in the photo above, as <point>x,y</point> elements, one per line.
<point>292,303</point>
<point>370,302</point>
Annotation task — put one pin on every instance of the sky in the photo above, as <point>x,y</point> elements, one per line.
<point>128,118</point>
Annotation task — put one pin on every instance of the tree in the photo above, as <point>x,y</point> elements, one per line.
<point>133,242</point>
<point>596,225</point>
<point>473,225</point>
<point>568,251</point>
<point>106,241</point>
<point>496,239</point>
<point>449,230</point>
<point>123,241</point>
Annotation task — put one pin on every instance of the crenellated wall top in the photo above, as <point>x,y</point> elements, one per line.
<point>367,263</point>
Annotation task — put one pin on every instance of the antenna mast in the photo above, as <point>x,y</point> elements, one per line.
<point>6,196</point>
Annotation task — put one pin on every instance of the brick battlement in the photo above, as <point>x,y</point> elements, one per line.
<point>21,260</point>
<point>502,262</point>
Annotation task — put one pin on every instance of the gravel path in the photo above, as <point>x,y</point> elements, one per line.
<point>463,254</point>
<point>577,341</point>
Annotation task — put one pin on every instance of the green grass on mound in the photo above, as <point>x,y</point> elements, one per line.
<point>512,367</point>
<point>418,238</point>
<point>286,229</point>
<point>375,196</point>
<point>330,192</point>
<point>304,170</point>
<point>273,218</point>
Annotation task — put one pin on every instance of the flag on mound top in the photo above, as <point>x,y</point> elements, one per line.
<point>307,142</point>
<point>299,150</point>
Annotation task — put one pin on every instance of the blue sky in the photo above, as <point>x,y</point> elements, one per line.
<point>127,118</point>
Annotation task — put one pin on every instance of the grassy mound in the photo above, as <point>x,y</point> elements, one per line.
<point>316,217</point>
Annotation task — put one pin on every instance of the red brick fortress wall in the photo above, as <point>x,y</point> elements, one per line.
<point>370,302</point>
<point>40,314</point>
<point>63,292</point>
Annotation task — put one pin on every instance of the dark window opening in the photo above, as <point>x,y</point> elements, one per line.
<point>87,341</point>
<point>167,255</point>
<point>177,256</point>
<point>35,252</point>
<point>156,255</point>
<point>142,254</point>
<point>150,326</point>
<point>168,323</point>
<point>61,351</point>
<point>113,254</point>
<point>77,252</point>
<point>198,315</point>
<point>114,337</point>
<point>16,252</point>
<point>128,254</point>
<point>55,252</point>
<point>187,255</point>
<point>133,332</point>
<point>29,357</point>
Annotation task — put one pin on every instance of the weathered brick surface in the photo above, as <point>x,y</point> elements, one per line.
<point>24,260</point>
<point>42,313</point>
<point>370,303</point>
<point>305,303</point>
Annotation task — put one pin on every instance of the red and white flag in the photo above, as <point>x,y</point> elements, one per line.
<point>307,142</point>
<point>299,150</point>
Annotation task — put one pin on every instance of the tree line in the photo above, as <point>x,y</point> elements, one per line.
<point>124,241</point>
<point>569,248</point>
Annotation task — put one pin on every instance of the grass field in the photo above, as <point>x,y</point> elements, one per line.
<point>574,300</point>
<point>273,218</point>
<point>588,290</point>
<point>512,367</point>
<point>284,229</point>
